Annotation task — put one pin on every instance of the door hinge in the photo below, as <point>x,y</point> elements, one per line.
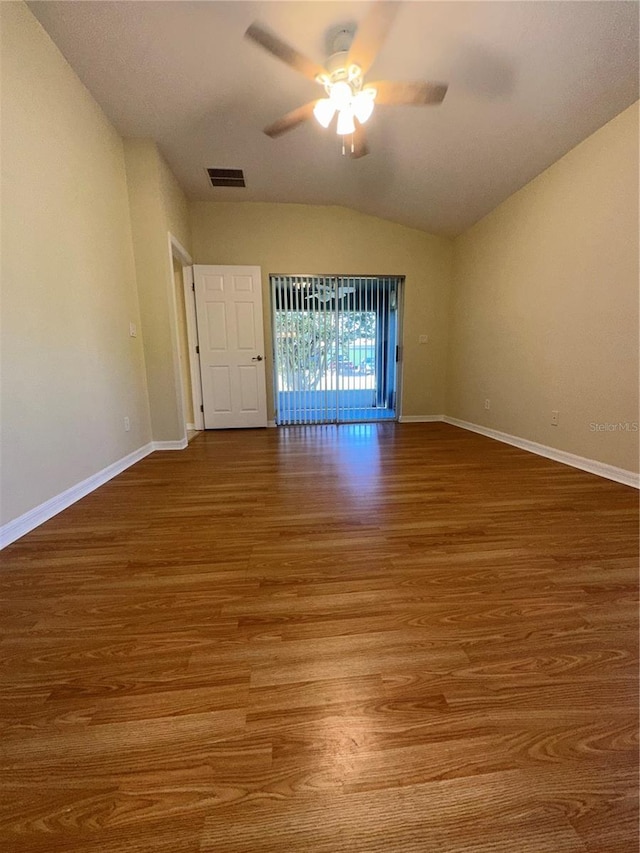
<point>193,285</point>
<point>198,349</point>
<point>201,408</point>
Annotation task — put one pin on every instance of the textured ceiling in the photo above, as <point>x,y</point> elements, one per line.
<point>527,82</point>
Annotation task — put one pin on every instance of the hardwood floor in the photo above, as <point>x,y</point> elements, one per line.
<point>373,638</point>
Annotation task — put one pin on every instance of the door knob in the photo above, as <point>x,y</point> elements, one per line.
<point>257,358</point>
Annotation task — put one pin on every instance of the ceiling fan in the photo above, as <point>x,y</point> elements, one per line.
<point>347,95</point>
<point>324,293</point>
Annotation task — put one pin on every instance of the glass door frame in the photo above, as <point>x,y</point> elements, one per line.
<point>388,342</point>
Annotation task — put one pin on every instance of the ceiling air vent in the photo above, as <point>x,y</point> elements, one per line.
<point>226,177</point>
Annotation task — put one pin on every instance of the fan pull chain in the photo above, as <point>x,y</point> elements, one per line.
<point>353,147</point>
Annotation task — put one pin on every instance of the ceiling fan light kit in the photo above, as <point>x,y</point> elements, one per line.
<point>343,80</point>
<point>324,111</point>
<point>363,104</point>
<point>346,97</point>
<point>345,125</point>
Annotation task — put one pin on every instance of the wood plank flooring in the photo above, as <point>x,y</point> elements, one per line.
<point>375,638</point>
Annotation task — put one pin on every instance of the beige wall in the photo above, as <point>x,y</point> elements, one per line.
<point>292,238</point>
<point>545,307</point>
<point>70,371</point>
<point>157,208</point>
<point>174,203</point>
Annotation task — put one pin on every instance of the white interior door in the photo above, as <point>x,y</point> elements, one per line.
<point>231,336</point>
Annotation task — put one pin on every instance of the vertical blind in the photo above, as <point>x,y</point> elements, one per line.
<point>335,340</point>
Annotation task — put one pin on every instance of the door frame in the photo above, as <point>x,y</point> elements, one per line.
<point>400,347</point>
<point>178,253</point>
<point>194,346</point>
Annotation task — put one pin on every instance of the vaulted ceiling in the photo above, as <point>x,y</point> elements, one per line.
<point>527,82</point>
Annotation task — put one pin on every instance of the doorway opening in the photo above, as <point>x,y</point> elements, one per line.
<point>335,347</point>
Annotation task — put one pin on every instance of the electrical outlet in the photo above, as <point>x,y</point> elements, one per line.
<point>127,425</point>
<point>487,403</point>
<point>423,339</point>
<point>133,332</point>
<point>554,418</point>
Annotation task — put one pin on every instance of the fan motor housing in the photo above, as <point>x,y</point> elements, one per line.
<point>337,62</point>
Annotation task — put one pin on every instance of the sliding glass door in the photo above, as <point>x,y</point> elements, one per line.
<point>335,346</point>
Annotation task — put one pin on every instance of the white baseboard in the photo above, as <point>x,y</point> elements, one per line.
<point>191,427</point>
<point>601,469</point>
<point>170,445</point>
<point>271,424</point>
<point>38,515</point>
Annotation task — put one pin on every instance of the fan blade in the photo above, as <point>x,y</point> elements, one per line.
<point>284,52</point>
<point>371,34</point>
<point>417,94</point>
<point>290,120</point>
<point>360,147</point>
